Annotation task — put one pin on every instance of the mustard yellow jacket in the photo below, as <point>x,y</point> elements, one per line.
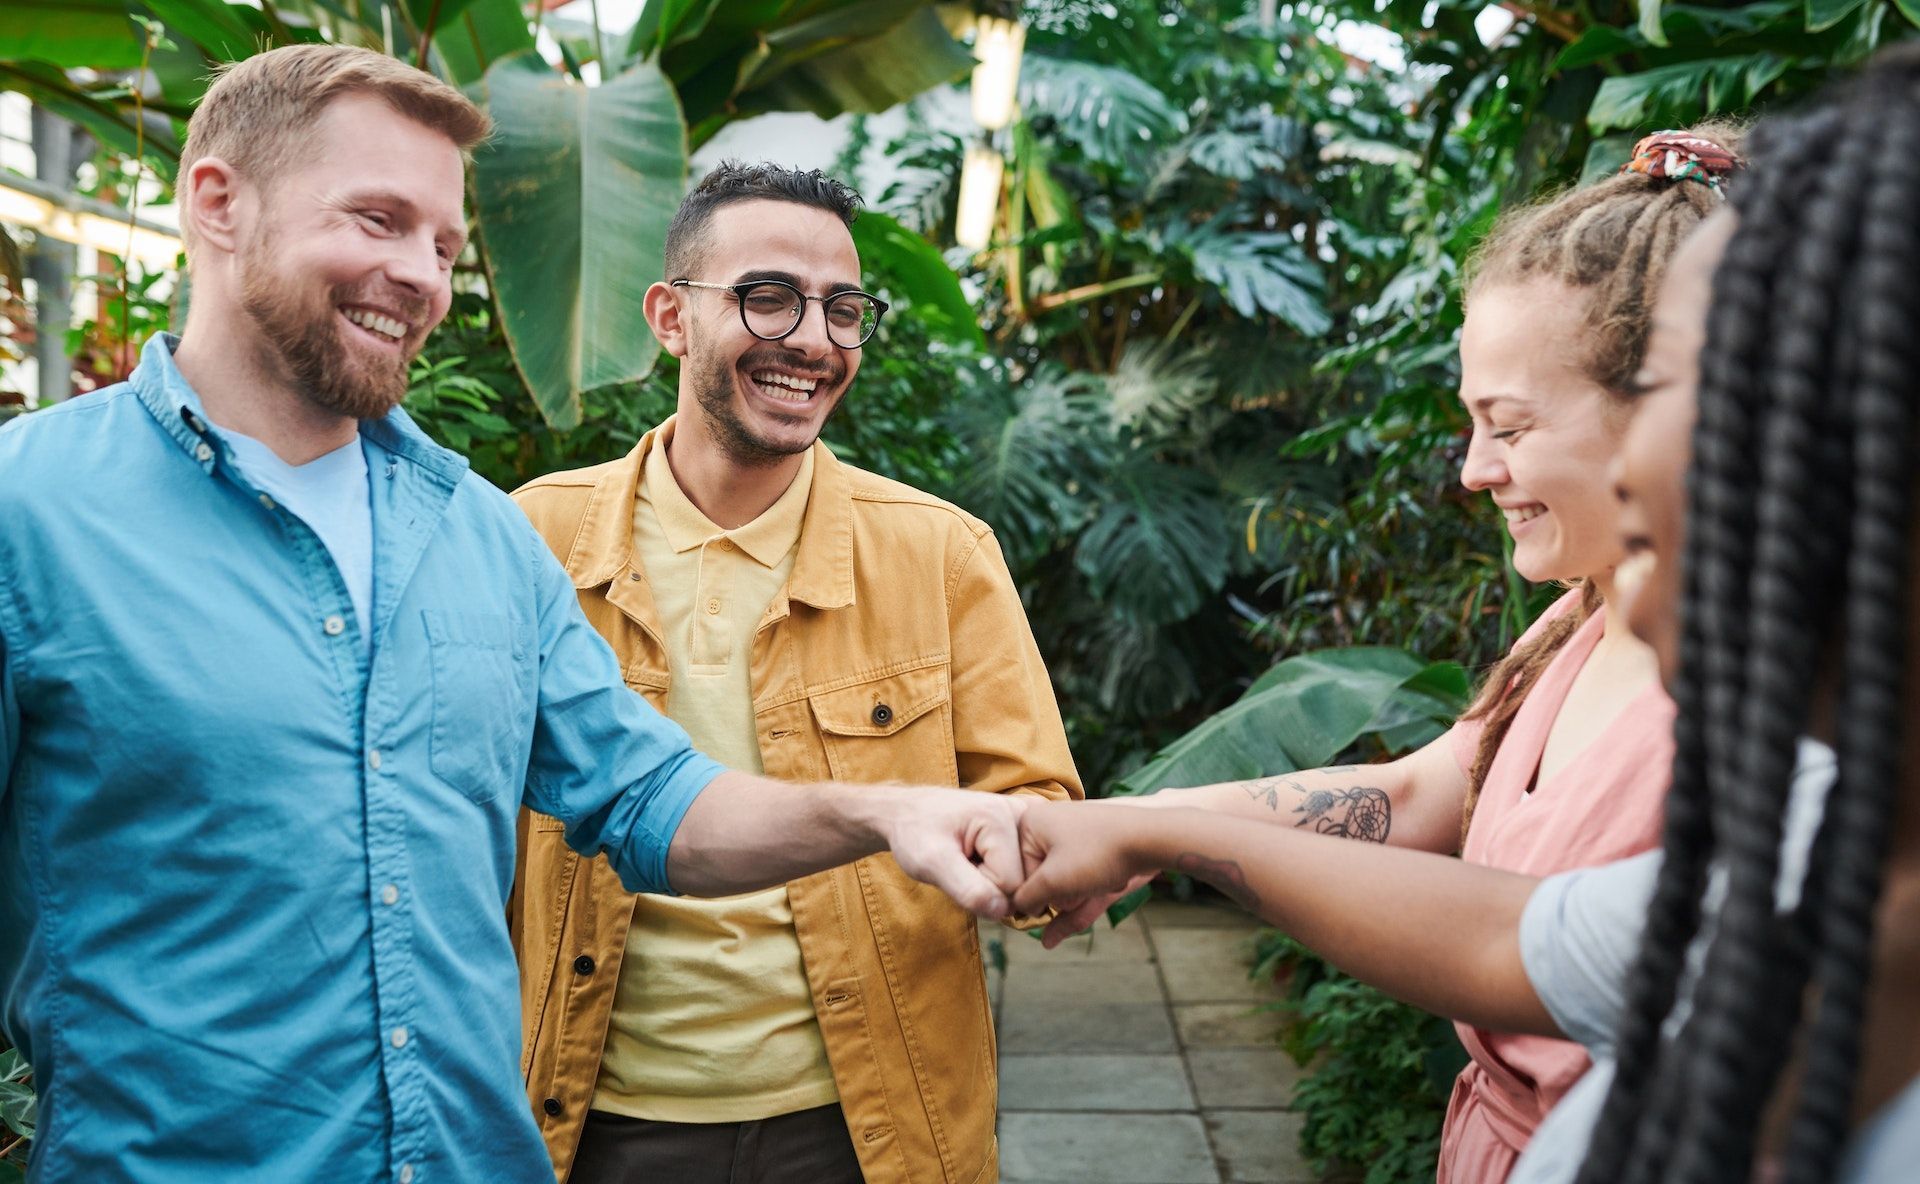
<point>898,651</point>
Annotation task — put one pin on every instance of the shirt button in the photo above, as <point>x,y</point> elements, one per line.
<point>406,1173</point>
<point>726,544</point>
<point>266,501</point>
<point>551,1106</point>
<point>400,1037</point>
<point>390,894</point>
<point>204,453</point>
<point>583,965</point>
<point>713,606</point>
<point>334,626</point>
<point>882,714</point>
<point>373,759</point>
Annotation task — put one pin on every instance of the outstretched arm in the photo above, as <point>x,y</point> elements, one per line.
<point>1440,934</point>
<point>1411,802</point>
<point>745,832</point>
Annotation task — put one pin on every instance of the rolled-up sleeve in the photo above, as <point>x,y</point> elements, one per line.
<point>1579,935</point>
<point>617,773</point>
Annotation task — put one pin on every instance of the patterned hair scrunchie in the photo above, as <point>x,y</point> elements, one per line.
<point>1677,156</point>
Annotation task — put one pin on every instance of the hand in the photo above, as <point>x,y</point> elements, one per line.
<point>965,843</point>
<point>1080,852</point>
<point>1078,916</point>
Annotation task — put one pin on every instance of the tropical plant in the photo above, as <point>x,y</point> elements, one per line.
<point>571,196</point>
<point>17,1113</point>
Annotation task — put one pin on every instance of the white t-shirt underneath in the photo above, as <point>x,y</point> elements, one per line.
<point>330,494</point>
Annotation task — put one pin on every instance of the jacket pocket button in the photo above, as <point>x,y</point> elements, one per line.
<point>583,965</point>
<point>882,714</point>
<point>551,1106</point>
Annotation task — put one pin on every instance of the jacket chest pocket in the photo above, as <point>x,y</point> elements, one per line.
<point>893,728</point>
<point>482,702</point>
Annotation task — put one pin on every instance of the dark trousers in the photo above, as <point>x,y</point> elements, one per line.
<point>805,1147</point>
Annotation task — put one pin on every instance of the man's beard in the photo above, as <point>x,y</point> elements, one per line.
<point>714,390</point>
<point>329,372</point>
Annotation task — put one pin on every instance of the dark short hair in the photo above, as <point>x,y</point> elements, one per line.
<point>733,181</point>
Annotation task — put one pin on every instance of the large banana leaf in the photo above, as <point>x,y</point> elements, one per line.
<point>827,67</point>
<point>751,56</point>
<point>226,32</point>
<point>574,194</point>
<point>1307,710</point>
<point>483,32</point>
<point>69,33</point>
<point>917,277</point>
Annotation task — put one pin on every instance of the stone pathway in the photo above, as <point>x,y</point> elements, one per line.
<point>1139,1055</point>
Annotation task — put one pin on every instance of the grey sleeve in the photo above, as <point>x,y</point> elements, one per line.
<point>1579,935</point>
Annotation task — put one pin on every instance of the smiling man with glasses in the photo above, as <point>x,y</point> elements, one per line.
<point>804,618</point>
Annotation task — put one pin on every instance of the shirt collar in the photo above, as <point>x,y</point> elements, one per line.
<point>767,538</point>
<point>822,569</point>
<point>173,402</point>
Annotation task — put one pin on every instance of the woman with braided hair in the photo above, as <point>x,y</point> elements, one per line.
<point>1563,761</point>
<point>1781,919</point>
<point>1798,615</point>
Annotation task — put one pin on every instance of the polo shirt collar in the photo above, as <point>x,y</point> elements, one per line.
<point>822,569</point>
<point>767,538</point>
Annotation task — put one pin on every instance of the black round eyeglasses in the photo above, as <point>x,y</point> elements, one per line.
<point>771,310</point>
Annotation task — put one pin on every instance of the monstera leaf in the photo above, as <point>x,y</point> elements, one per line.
<point>574,194</point>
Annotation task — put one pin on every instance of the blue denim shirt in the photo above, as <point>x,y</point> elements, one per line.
<point>254,877</point>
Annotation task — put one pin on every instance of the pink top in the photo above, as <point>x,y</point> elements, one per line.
<point>1605,804</point>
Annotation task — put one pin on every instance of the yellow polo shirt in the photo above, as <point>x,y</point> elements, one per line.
<point>712,1018</point>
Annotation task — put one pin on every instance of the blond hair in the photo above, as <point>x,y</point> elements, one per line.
<point>258,110</point>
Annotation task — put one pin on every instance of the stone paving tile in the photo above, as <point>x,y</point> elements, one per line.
<point>1226,1025</point>
<point>1064,1026</point>
<point>1068,1148</point>
<point>1259,1147</point>
<point>1210,966</point>
<point>1069,982</point>
<point>1094,1082</point>
<point>1242,1078</point>
<point>1175,914</point>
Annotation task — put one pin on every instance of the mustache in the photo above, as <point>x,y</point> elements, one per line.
<point>793,362</point>
<point>413,309</point>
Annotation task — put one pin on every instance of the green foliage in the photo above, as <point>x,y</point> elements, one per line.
<point>1307,710</point>
<point>574,193</point>
<point>17,1113</point>
<point>1378,1072</point>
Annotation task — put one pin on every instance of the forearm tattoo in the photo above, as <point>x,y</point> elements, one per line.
<point>1358,812</point>
<point>1223,874</point>
<point>1362,812</point>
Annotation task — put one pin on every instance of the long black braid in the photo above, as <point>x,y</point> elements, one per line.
<point>1796,562</point>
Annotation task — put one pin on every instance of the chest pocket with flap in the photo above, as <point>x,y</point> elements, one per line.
<point>894,728</point>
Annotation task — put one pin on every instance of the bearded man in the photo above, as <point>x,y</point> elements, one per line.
<point>276,673</point>
<point>795,614</point>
